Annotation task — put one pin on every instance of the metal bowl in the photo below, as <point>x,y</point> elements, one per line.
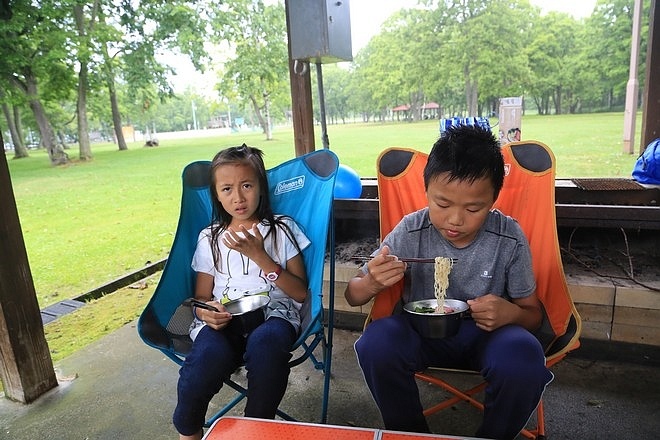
<point>436,325</point>
<point>248,312</point>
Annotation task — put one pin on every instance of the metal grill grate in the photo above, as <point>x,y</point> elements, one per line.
<point>607,184</point>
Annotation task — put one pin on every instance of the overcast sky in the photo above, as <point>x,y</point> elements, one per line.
<point>366,19</point>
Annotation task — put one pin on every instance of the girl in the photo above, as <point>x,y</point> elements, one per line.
<point>246,250</point>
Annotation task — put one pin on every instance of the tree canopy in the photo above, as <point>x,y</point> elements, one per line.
<point>73,70</point>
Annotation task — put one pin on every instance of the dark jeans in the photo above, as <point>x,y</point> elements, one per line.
<point>510,359</point>
<point>215,355</point>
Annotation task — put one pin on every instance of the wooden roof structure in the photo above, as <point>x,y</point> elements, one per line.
<point>26,368</point>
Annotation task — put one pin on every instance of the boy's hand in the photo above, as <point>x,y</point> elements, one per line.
<point>385,270</point>
<point>491,312</point>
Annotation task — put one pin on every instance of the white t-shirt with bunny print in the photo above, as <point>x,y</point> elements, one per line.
<point>237,275</point>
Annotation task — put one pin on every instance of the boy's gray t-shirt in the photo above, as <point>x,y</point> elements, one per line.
<point>498,261</point>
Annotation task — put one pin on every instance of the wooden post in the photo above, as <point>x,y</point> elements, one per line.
<point>26,368</point>
<point>632,88</point>
<point>651,116</point>
<point>302,111</point>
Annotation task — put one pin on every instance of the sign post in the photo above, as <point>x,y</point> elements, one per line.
<point>510,119</point>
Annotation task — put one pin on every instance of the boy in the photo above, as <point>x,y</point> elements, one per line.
<point>463,177</point>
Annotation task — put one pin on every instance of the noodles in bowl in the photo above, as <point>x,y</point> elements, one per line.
<point>439,317</point>
<point>441,269</point>
<point>430,324</point>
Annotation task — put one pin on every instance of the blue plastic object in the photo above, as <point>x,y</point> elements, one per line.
<point>445,123</point>
<point>348,184</point>
<point>647,167</point>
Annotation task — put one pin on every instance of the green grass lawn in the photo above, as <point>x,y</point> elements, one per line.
<point>90,222</point>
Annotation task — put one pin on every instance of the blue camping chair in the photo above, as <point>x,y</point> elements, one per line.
<point>301,188</point>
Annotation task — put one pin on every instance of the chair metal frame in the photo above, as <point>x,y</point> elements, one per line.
<point>301,188</point>
<point>530,178</point>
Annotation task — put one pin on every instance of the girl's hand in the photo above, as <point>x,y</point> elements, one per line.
<point>216,320</point>
<point>251,244</point>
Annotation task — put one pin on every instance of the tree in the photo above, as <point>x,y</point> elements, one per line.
<point>128,37</point>
<point>483,45</point>
<point>34,47</point>
<point>608,32</point>
<point>406,32</point>
<point>335,79</point>
<point>553,56</point>
<point>366,98</point>
<point>258,72</point>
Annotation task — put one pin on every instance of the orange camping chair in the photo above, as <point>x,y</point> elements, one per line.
<point>528,195</point>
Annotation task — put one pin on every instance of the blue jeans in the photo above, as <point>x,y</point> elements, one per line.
<point>215,355</point>
<point>510,359</point>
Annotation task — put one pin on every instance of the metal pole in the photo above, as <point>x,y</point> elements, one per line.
<point>632,88</point>
<point>324,130</point>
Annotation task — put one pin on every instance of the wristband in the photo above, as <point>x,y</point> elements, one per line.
<point>194,311</point>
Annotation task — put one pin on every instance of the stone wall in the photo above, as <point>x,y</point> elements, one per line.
<point>610,310</point>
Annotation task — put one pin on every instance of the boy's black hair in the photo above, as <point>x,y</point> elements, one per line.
<point>221,219</point>
<point>466,152</point>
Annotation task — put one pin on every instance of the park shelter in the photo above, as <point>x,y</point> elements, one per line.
<point>404,108</point>
<point>26,366</point>
<point>431,110</point>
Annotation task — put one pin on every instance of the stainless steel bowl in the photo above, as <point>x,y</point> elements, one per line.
<point>436,325</point>
<point>248,312</point>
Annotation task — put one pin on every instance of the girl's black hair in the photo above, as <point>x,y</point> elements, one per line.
<point>221,219</point>
<point>467,152</point>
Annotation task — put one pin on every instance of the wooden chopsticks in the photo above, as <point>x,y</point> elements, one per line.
<point>364,258</point>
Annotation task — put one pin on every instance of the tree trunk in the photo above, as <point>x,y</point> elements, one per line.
<point>116,115</point>
<point>114,106</point>
<point>17,141</point>
<point>263,121</point>
<point>55,152</point>
<point>269,128</point>
<point>471,95</point>
<point>416,105</point>
<point>85,149</point>
<point>18,121</point>
<point>557,99</point>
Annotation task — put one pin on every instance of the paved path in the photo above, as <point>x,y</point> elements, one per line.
<point>119,388</point>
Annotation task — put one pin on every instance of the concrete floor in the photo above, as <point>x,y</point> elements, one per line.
<point>119,388</point>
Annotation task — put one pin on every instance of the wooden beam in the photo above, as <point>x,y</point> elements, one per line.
<point>26,368</point>
<point>302,111</point>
